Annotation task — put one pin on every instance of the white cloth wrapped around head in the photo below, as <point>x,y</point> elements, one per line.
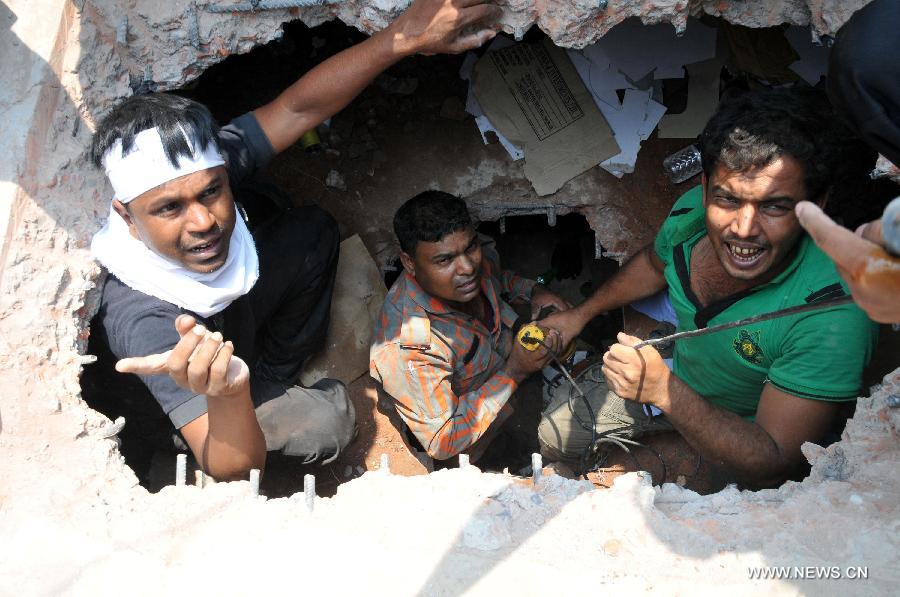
<point>146,165</point>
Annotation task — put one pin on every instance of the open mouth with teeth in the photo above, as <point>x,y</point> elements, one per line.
<point>745,256</point>
<point>207,250</point>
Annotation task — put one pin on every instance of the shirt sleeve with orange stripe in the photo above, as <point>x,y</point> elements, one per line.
<point>517,286</point>
<point>420,383</point>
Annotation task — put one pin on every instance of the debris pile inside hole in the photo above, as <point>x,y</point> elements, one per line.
<point>75,519</point>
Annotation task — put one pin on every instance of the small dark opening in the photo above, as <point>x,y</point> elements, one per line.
<point>562,256</point>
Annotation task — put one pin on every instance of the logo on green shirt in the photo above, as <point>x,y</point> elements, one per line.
<point>747,346</point>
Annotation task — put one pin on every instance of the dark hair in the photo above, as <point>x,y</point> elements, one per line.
<point>172,115</point>
<point>753,129</point>
<point>429,217</point>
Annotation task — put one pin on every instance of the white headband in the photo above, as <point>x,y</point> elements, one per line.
<point>146,165</point>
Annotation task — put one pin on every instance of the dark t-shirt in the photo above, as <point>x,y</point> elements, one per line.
<point>137,324</point>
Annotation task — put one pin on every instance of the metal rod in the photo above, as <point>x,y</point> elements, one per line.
<point>536,468</point>
<point>309,491</point>
<point>269,5</point>
<point>181,470</point>
<point>835,302</point>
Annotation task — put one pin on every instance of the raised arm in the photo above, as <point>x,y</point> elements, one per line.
<point>640,277</point>
<point>427,27</point>
<point>227,441</point>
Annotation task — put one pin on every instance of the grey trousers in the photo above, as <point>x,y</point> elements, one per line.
<point>563,437</point>
<point>280,323</point>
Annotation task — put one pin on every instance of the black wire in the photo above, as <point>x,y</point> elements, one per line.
<point>596,440</point>
<point>582,464</point>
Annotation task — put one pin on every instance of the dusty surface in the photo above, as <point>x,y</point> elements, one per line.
<point>376,436</point>
<point>455,531</point>
<point>74,520</point>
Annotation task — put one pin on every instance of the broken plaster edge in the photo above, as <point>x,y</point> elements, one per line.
<point>48,296</point>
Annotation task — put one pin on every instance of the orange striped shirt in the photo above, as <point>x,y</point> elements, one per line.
<point>444,368</point>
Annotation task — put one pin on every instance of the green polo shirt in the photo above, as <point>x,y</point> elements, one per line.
<point>818,355</point>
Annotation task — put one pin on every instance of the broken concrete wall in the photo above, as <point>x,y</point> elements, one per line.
<point>72,513</point>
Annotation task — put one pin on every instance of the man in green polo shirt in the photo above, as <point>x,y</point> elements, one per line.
<point>747,398</point>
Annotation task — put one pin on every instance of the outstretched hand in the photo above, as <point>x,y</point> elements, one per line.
<point>201,362</point>
<point>444,26</point>
<point>872,275</point>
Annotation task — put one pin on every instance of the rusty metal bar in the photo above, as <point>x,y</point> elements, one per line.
<point>258,5</point>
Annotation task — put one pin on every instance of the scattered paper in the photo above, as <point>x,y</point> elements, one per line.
<point>474,108</point>
<point>534,96</point>
<point>358,295</point>
<point>813,63</point>
<point>632,58</point>
<point>632,123</point>
<point>601,78</point>
<point>703,97</point>
<point>638,50</point>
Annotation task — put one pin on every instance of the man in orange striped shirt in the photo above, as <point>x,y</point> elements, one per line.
<point>443,346</point>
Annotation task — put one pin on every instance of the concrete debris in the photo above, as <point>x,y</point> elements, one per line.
<point>335,180</point>
<point>113,429</point>
<point>83,525</point>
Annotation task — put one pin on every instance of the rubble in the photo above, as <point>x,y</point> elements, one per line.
<point>72,515</point>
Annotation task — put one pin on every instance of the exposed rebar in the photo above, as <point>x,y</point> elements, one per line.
<point>536,467</point>
<point>835,302</point>
<point>309,491</point>
<point>269,5</point>
<point>254,481</point>
<point>181,470</point>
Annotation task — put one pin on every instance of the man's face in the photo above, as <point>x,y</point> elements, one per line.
<point>449,269</point>
<point>750,216</point>
<point>189,219</point>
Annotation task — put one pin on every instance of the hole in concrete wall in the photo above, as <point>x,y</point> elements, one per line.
<point>563,257</point>
<point>406,133</point>
<point>383,148</point>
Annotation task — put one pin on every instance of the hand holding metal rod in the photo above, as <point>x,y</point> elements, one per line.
<point>835,302</point>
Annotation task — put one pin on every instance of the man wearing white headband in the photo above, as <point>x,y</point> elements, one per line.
<point>218,320</point>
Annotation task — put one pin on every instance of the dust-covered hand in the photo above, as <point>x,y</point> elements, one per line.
<point>541,297</point>
<point>201,362</point>
<point>639,375</point>
<point>444,26</point>
<point>872,274</point>
<point>523,362</point>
